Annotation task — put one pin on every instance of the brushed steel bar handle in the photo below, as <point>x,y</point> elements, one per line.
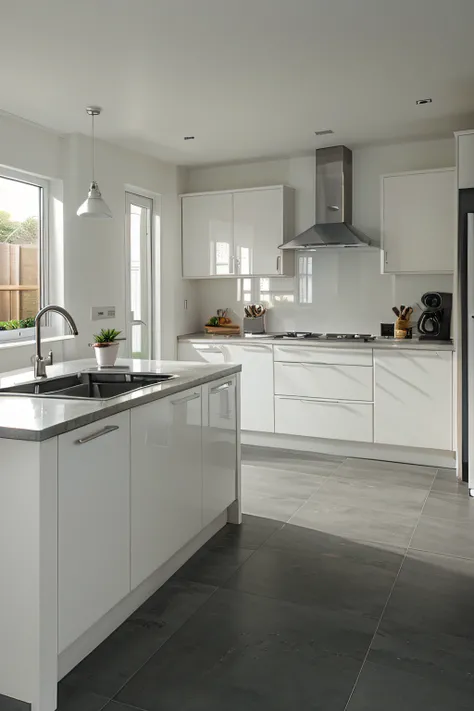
<point>278,265</point>
<point>188,398</point>
<point>220,388</point>
<point>100,433</point>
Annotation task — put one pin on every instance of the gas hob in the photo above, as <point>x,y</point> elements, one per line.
<point>308,335</point>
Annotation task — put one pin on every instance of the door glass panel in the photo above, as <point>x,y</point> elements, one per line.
<point>139,306</point>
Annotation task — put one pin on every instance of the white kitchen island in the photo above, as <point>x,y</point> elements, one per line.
<point>101,501</point>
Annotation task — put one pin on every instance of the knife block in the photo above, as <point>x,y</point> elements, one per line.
<point>256,324</point>
<point>403,328</point>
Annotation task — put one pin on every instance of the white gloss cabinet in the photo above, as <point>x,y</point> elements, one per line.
<point>93,523</point>
<point>413,398</point>
<point>166,480</point>
<point>418,222</point>
<point>349,421</point>
<point>207,235</point>
<point>219,447</point>
<point>233,233</point>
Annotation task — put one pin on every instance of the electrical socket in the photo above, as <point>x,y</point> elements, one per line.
<point>102,312</point>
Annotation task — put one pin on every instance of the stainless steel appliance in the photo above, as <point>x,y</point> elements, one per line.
<point>333,226</point>
<point>465,338</point>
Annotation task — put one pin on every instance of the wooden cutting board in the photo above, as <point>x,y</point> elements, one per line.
<point>231,328</point>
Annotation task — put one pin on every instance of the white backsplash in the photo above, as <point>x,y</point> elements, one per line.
<point>344,292</point>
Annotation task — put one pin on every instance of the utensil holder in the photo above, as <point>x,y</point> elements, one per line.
<point>403,328</point>
<point>255,324</point>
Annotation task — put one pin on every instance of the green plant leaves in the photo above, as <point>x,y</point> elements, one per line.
<point>106,335</point>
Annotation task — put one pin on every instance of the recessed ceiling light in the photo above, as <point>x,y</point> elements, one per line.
<point>419,102</point>
<point>324,132</point>
<point>189,138</point>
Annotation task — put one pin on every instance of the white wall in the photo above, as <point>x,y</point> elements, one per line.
<point>349,293</point>
<point>94,251</point>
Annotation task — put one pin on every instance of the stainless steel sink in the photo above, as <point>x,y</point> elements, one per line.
<point>88,385</point>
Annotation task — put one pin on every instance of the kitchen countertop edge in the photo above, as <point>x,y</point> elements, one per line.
<point>379,342</point>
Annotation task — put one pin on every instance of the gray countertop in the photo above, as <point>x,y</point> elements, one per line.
<point>39,418</point>
<point>379,342</point>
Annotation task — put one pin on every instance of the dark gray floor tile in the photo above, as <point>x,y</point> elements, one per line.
<point>125,651</point>
<point>71,698</point>
<point>442,535</point>
<point>434,592</point>
<point>355,523</point>
<point>251,533</point>
<point>371,495</point>
<point>9,704</point>
<point>387,472</point>
<point>214,564</point>
<point>270,481</point>
<point>393,690</point>
<point>244,651</point>
<point>447,483</point>
<point>313,568</point>
<point>431,655</point>
<point>452,506</point>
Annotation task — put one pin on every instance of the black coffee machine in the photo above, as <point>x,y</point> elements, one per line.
<point>435,321</point>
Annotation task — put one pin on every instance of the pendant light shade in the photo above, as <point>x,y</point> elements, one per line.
<point>94,205</point>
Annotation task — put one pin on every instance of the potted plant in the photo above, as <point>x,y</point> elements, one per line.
<point>106,347</point>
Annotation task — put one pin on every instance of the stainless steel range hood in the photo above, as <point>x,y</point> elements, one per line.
<point>333,204</point>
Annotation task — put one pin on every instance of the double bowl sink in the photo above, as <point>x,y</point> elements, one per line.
<point>87,385</point>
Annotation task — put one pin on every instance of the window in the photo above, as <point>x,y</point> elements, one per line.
<point>23,276</point>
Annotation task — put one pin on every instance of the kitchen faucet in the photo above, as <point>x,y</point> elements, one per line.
<point>39,362</point>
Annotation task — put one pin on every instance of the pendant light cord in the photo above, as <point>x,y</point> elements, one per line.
<point>93,150</point>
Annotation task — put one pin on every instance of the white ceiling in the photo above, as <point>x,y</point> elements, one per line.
<point>247,78</point>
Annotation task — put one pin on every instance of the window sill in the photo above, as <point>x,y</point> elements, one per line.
<point>30,342</point>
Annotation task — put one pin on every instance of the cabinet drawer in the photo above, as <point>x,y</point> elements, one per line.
<point>327,420</point>
<point>313,354</point>
<point>331,382</point>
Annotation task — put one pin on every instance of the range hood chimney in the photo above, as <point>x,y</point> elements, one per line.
<point>333,226</point>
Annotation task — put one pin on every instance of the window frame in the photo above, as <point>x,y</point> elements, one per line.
<point>26,334</point>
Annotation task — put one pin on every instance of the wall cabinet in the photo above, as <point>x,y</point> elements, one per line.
<point>418,222</point>
<point>257,389</point>
<point>237,233</point>
<point>219,447</point>
<point>93,523</point>
<point>166,480</point>
<point>413,398</point>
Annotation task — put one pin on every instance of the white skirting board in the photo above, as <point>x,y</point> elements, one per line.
<point>362,450</point>
<point>79,649</point>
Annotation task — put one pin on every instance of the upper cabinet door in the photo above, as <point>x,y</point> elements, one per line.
<point>418,222</point>
<point>258,231</point>
<point>465,160</point>
<point>207,235</point>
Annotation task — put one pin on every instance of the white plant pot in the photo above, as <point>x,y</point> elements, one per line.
<point>106,355</point>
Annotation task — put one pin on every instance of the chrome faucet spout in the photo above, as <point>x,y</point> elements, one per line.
<point>40,363</point>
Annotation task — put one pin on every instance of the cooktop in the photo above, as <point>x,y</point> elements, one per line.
<point>309,335</point>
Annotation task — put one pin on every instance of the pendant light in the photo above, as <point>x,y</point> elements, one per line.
<point>95,205</point>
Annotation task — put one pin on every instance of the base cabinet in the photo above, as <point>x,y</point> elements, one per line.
<point>413,399</point>
<point>219,447</point>
<point>166,480</point>
<point>93,523</point>
<point>349,421</point>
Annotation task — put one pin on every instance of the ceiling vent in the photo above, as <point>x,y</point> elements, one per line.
<point>324,132</point>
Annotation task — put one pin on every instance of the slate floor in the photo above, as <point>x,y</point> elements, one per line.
<point>350,585</point>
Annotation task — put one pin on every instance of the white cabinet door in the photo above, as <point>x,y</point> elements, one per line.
<point>166,480</point>
<point>219,447</point>
<point>256,384</point>
<point>413,398</point>
<point>350,421</point>
<point>207,235</point>
<point>330,382</point>
<point>203,352</point>
<point>258,232</point>
<point>94,523</point>
<point>465,160</point>
<point>418,222</point>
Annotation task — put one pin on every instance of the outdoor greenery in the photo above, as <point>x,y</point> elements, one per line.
<point>107,335</point>
<point>13,232</point>
<point>15,324</point>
